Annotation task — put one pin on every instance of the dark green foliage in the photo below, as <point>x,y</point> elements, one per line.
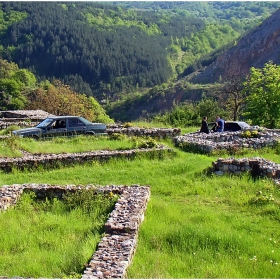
<point>104,48</point>
<point>182,116</point>
<point>110,50</point>
<point>68,48</point>
<point>191,114</point>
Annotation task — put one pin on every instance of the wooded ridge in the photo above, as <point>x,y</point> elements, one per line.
<point>123,50</point>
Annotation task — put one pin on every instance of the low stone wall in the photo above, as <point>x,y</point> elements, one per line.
<point>22,123</point>
<point>257,167</point>
<point>117,247</point>
<point>161,133</point>
<point>30,161</point>
<point>207,143</point>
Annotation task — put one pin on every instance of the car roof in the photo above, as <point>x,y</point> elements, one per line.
<point>240,123</point>
<point>63,117</point>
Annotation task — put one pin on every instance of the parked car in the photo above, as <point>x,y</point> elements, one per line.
<point>230,126</point>
<point>62,126</point>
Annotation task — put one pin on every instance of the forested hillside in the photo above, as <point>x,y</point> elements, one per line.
<point>81,44</point>
<point>117,51</point>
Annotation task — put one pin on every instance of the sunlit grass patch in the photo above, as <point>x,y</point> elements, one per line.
<point>52,238</point>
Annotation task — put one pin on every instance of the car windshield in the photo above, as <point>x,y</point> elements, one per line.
<point>45,123</point>
<point>85,121</point>
<point>243,124</point>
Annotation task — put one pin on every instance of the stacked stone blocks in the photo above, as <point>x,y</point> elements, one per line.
<point>117,247</point>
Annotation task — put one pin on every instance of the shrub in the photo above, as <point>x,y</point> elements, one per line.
<point>246,134</point>
<point>117,136</point>
<point>127,124</point>
<point>144,143</point>
<point>254,133</point>
<point>249,134</point>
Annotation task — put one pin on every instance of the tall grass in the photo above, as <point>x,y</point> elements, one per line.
<point>197,225</point>
<point>14,145</point>
<point>51,239</point>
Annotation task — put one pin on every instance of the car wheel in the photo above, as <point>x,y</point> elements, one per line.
<point>35,137</point>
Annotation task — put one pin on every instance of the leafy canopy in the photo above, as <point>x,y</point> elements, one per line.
<point>59,99</point>
<point>263,101</point>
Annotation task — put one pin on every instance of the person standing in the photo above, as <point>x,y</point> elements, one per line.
<point>220,124</point>
<point>204,125</point>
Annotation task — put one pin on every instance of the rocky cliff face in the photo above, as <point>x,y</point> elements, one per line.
<point>258,47</point>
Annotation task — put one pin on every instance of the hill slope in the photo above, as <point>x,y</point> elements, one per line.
<point>126,54</point>
<point>258,47</point>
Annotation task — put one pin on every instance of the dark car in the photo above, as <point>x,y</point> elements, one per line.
<point>62,126</point>
<point>231,126</point>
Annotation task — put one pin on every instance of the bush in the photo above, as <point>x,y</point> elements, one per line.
<point>144,143</point>
<point>117,136</point>
<point>127,124</point>
<point>249,134</point>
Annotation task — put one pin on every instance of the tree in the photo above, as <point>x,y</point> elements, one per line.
<point>10,95</point>
<point>59,99</point>
<point>24,76</point>
<point>210,108</point>
<point>263,101</point>
<point>13,83</point>
<point>230,94</point>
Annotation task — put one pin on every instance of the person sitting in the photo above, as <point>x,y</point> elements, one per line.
<point>59,124</point>
<point>62,124</point>
<point>204,125</point>
<point>220,124</point>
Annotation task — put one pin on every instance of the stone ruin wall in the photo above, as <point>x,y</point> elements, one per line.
<point>160,133</point>
<point>256,166</point>
<point>116,249</point>
<point>207,143</point>
<point>31,161</point>
<point>111,128</point>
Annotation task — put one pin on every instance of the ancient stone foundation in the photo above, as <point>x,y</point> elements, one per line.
<point>161,133</point>
<point>207,143</point>
<point>116,249</point>
<point>31,161</point>
<point>256,166</point>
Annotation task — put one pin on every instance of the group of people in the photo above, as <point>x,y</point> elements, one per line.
<point>218,127</point>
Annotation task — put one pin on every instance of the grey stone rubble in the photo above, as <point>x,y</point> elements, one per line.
<point>148,132</point>
<point>227,140</point>
<point>161,133</point>
<point>22,118</point>
<point>24,114</point>
<point>116,248</point>
<point>31,161</point>
<point>257,166</point>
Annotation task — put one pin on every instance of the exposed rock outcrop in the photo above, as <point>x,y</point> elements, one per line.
<point>255,49</point>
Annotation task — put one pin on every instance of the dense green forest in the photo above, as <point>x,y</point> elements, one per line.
<point>117,52</point>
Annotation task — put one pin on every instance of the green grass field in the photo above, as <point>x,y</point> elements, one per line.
<point>196,225</point>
